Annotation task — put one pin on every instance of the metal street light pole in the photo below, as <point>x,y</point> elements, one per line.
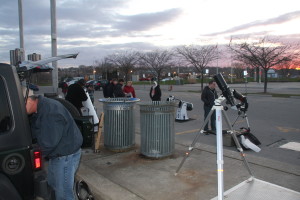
<point>20,7</point>
<point>54,45</point>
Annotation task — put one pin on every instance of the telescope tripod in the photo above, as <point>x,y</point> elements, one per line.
<point>244,116</point>
<point>219,111</point>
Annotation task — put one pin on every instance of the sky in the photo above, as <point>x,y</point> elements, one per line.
<point>96,28</point>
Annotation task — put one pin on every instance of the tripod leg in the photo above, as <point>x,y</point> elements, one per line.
<point>220,160</point>
<point>191,147</point>
<point>247,121</point>
<point>242,153</point>
<point>235,120</point>
<point>238,145</point>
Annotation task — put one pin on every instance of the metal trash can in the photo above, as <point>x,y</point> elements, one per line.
<point>119,123</point>
<point>157,128</point>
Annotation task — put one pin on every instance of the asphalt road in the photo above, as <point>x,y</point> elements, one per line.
<point>274,121</point>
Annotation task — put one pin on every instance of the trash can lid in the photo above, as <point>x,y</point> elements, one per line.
<point>129,100</point>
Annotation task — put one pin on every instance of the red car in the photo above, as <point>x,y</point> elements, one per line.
<point>100,84</point>
<point>145,79</point>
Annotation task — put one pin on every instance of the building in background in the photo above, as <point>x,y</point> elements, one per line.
<point>34,57</point>
<point>16,56</point>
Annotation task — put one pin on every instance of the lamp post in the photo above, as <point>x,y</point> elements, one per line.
<point>94,72</point>
<point>20,7</point>
<point>54,44</point>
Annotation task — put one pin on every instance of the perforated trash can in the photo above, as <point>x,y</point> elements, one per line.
<point>157,128</point>
<point>119,123</point>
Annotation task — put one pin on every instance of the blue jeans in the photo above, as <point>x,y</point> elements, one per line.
<point>212,118</point>
<point>61,174</point>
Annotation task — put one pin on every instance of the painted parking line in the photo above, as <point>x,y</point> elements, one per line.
<point>190,131</point>
<point>240,121</point>
<point>291,145</point>
<point>287,129</point>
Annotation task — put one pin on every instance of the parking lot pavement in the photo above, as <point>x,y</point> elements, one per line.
<point>131,176</point>
<point>274,121</point>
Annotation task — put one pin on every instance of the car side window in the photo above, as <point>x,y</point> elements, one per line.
<point>5,114</point>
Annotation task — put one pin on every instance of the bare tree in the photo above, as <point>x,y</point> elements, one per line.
<point>104,67</point>
<point>198,56</point>
<point>156,60</point>
<point>238,69</point>
<point>125,61</point>
<point>264,53</point>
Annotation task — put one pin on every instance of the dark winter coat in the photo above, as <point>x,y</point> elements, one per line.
<point>108,91</point>
<point>209,96</point>
<point>157,93</point>
<point>76,95</point>
<point>55,129</point>
<point>118,91</point>
<point>105,90</point>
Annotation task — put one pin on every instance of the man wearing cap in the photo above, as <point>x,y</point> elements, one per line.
<point>59,139</point>
<point>76,94</point>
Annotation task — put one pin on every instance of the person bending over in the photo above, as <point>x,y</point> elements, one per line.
<point>59,139</point>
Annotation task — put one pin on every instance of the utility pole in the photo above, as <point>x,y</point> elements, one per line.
<point>21,32</point>
<point>54,45</point>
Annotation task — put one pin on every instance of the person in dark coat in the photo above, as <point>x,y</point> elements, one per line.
<point>110,88</point>
<point>118,89</point>
<point>155,92</point>
<point>105,88</point>
<point>208,96</point>
<point>76,94</point>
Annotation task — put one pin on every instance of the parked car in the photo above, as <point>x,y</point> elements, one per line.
<point>167,79</point>
<point>100,84</point>
<point>71,82</point>
<point>21,174</point>
<point>89,83</point>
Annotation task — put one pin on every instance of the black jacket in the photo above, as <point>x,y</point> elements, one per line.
<point>109,91</point>
<point>118,91</point>
<point>105,90</point>
<point>76,95</point>
<point>209,96</point>
<point>157,93</point>
<point>55,129</point>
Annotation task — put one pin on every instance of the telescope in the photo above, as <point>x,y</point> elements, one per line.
<point>231,95</point>
<point>243,106</point>
<point>226,92</point>
<point>183,107</point>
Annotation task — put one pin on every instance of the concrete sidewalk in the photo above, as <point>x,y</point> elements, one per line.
<point>130,176</point>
